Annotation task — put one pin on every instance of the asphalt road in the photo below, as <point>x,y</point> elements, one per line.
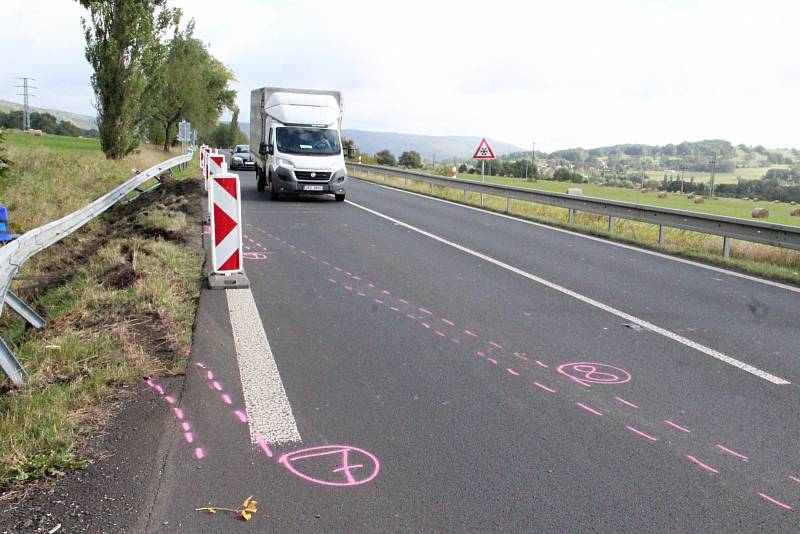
<point>447,370</point>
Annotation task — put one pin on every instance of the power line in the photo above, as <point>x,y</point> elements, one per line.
<point>26,94</point>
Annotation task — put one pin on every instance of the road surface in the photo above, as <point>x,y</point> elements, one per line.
<point>405,364</point>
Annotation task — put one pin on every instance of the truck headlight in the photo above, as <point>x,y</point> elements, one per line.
<point>285,163</point>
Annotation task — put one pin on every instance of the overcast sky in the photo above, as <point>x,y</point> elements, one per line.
<point>562,73</point>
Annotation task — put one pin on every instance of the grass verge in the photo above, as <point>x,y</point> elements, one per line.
<point>762,260</point>
<point>119,296</point>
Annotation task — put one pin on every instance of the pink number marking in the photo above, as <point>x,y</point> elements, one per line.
<point>365,471</point>
<point>587,373</point>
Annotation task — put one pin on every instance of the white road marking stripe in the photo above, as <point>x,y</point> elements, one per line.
<point>633,319</point>
<point>268,410</point>
<point>600,240</point>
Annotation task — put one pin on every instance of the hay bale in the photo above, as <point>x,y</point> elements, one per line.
<point>690,195</point>
<point>793,203</point>
<point>760,213</point>
<point>662,194</point>
<point>699,200</point>
<point>795,212</point>
<point>776,201</point>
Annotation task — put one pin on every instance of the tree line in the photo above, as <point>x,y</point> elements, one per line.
<point>149,74</point>
<point>46,122</point>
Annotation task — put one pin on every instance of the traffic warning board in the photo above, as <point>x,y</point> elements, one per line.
<point>484,151</point>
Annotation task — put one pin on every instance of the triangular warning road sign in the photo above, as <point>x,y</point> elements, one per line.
<point>484,151</point>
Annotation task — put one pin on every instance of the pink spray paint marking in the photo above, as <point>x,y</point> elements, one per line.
<point>426,325</point>
<point>201,365</point>
<point>481,354</point>
<point>404,301</point>
<point>357,278</point>
<point>775,501</point>
<point>241,415</point>
<point>178,413</point>
<point>542,364</point>
<point>338,268</point>
<point>360,294</point>
<point>348,273</point>
<point>216,385</point>
<point>254,256</point>
<point>496,345</point>
<point>642,434</point>
<point>263,444</point>
<point>371,285</point>
<point>626,403</point>
<point>677,426</point>
<point>448,322</point>
<point>349,288</point>
<point>440,333</point>
<point>732,453</point>
<point>188,436</point>
<point>511,371</point>
<point>394,308</point>
<point>312,257</point>
<point>794,478</point>
<point>386,293</point>
<point>331,280</point>
<point>199,454</point>
<point>587,373</point>
<point>186,426</point>
<point>542,386</point>
<point>169,399</point>
<point>159,389</point>
<point>470,333</point>
<point>587,408</point>
<point>701,464</point>
<point>318,462</point>
<point>210,375</point>
<point>412,317</point>
<point>521,356</point>
<point>378,301</point>
<point>226,398</point>
<point>454,340</point>
<point>426,312</point>
<point>492,360</point>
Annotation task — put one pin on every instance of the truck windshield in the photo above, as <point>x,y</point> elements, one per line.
<point>313,141</point>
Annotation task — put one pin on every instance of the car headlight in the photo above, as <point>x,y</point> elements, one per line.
<point>237,159</point>
<point>285,163</point>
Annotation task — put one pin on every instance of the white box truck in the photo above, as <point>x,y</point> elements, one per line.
<point>295,138</point>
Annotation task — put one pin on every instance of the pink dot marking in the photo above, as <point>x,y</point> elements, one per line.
<point>701,464</point>
<point>393,308</point>
<point>626,403</point>
<point>331,280</point>
<point>795,479</point>
<point>186,426</point>
<point>448,321</point>
<point>642,434</point>
<point>188,436</point>
<point>159,389</point>
<point>216,385</point>
<point>169,399</point>
<point>513,372</point>
<point>732,453</point>
<point>201,365</point>
<point>378,301</point>
<point>541,364</point>
<point>178,413</point>
<point>588,409</point>
<point>677,427</point>
<point>495,345</point>
<point>492,360</point>
<point>412,317</point>
<point>426,325</point>
<point>360,294</point>
<point>470,333</point>
<point>440,333</point>
<point>775,501</point>
<point>263,444</point>
<point>210,375</point>
<point>542,386</point>
<point>241,415</point>
<point>426,312</point>
<point>226,398</point>
<point>199,454</point>
<point>386,292</point>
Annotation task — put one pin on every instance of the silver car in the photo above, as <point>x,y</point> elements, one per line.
<point>241,158</point>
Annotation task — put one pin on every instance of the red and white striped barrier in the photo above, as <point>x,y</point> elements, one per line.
<point>215,165</point>
<point>202,159</point>
<point>206,154</point>
<point>226,233</point>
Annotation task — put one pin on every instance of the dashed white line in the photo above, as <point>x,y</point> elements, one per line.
<point>587,300</point>
<point>268,410</point>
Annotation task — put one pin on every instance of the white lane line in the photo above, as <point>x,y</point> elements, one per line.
<point>268,411</point>
<point>597,304</point>
<point>599,240</point>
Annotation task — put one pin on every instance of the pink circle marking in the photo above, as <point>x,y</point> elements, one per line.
<point>586,373</point>
<point>366,467</point>
<point>254,256</point>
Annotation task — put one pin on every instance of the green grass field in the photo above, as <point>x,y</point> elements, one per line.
<point>729,207</point>
<point>58,142</point>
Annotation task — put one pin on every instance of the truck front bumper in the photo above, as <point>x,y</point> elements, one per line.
<point>285,182</point>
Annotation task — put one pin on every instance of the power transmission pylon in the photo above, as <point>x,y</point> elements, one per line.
<point>26,94</point>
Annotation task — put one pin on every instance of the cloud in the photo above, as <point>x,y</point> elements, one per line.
<point>566,73</point>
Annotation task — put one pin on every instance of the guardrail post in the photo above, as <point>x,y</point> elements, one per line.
<point>612,223</point>
<point>662,235</point>
<point>11,366</point>
<point>571,215</point>
<point>385,177</point>
<point>465,195</point>
<point>405,182</point>
<point>508,204</point>
<point>726,247</point>
<point>25,311</point>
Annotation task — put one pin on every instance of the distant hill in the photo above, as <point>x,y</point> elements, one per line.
<point>429,146</point>
<point>85,122</point>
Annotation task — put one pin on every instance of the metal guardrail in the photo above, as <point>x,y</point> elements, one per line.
<point>16,253</point>
<point>778,235</point>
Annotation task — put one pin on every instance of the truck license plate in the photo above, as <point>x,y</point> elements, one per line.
<point>312,188</point>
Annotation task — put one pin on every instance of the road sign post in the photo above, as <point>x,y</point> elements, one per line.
<point>483,152</point>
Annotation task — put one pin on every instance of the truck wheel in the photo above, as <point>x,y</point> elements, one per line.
<point>261,181</point>
<point>339,198</point>
<point>273,195</point>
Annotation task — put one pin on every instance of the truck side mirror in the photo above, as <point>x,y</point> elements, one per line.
<point>262,149</point>
<point>351,152</point>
